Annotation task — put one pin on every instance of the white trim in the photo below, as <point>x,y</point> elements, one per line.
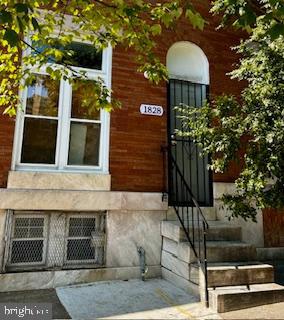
<point>33,116</point>
<point>85,120</point>
<point>63,130</point>
<point>63,107</point>
<point>203,78</point>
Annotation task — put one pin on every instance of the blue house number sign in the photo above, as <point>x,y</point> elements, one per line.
<point>151,110</point>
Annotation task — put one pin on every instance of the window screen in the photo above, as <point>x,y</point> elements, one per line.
<point>79,244</point>
<point>49,240</point>
<point>28,240</point>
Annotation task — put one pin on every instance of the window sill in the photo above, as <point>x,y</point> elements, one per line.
<point>58,181</point>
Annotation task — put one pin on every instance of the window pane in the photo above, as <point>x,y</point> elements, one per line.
<point>76,54</point>
<point>21,232</point>
<point>27,251</point>
<point>84,55</point>
<point>80,249</point>
<point>43,97</point>
<point>84,144</point>
<point>81,227</point>
<point>82,109</point>
<point>39,141</point>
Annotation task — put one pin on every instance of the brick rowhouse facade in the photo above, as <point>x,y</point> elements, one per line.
<point>136,160</point>
<point>126,197</point>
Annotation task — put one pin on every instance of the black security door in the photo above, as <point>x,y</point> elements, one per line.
<point>186,167</point>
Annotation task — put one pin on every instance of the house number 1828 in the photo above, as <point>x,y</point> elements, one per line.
<point>151,110</point>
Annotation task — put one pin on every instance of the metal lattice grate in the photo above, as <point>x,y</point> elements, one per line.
<point>27,251</point>
<point>28,227</point>
<point>56,240</point>
<point>28,240</point>
<point>81,227</point>
<point>80,247</point>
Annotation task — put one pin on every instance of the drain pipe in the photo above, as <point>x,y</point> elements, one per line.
<point>142,259</point>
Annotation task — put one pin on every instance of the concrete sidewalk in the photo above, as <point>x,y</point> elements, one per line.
<point>133,299</point>
<point>152,299</point>
<point>269,311</point>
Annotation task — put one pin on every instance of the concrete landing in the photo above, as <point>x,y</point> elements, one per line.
<point>133,299</point>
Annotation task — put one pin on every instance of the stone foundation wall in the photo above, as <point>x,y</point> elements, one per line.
<point>127,230</point>
<point>133,219</point>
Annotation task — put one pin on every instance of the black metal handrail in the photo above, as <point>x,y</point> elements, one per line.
<point>191,218</point>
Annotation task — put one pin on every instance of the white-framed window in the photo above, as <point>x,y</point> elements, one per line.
<point>53,131</point>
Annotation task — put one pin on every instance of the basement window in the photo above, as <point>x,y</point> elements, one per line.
<point>28,242</point>
<point>61,240</point>
<point>79,239</point>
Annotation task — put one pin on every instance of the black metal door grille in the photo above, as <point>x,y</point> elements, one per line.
<point>186,154</point>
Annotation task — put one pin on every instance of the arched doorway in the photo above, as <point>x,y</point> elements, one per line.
<point>188,85</point>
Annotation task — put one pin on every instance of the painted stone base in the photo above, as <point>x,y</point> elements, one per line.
<point>127,230</point>
<point>58,181</point>
<point>53,279</point>
<point>133,219</point>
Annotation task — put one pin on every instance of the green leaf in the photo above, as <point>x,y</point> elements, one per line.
<point>276,31</point>
<point>156,29</point>
<point>5,17</point>
<point>10,111</point>
<point>21,7</point>
<point>12,37</point>
<point>195,18</point>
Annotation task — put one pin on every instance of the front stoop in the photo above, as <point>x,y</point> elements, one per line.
<point>225,299</point>
<point>235,279</point>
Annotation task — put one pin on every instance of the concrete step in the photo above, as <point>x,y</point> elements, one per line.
<point>217,251</point>
<point>181,250</point>
<point>209,213</point>
<point>228,251</point>
<point>180,282</point>
<point>217,231</point>
<point>235,274</point>
<point>188,271</point>
<point>240,297</point>
<point>220,274</point>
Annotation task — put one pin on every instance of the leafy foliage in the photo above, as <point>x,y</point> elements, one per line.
<point>55,24</point>
<point>253,125</point>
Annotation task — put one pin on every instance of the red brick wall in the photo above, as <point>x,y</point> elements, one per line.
<point>273,227</point>
<point>6,145</point>
<point>135,157</point>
